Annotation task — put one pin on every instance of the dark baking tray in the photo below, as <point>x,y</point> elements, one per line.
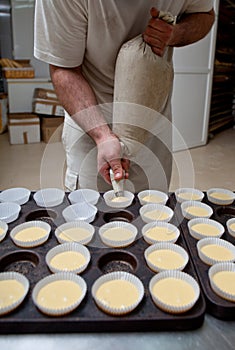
<point>87,317</point>
<point>216,306</point>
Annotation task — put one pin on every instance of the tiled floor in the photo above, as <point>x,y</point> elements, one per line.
<point>42,165</point>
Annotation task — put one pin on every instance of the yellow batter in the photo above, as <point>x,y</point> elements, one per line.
<point>232,227</point>
<point>119,199</point>
<point>1,231</point>
<point>157,215</point>
<point>197,211</point>
<point>160,233</point>
<point>59,294</point>
<point>117,234</point>
<point>10,292</point>
<point>217,252</point>
<point>166,259</point>
<point>152,198</point>
<point>174,292</point>
<point>189,196</point>
<point>68,261</point>
<point>117,294</point>
<point>225,280</point>
<point>206,229</point>
<point>220,195</point>
<point>30,234</point>
<point>75,234</point>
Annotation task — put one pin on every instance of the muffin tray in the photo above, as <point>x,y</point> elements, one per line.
<point>88,317</point>
<point>216,306</point>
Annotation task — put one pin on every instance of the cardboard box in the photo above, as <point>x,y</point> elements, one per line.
<point>51,129</point>
<point>23,128</point>
<point>3,112</point>
<point>45,102</point>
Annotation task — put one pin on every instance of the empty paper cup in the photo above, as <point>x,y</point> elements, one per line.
<point>80,211</point>
<point>84,195</point>
<point>49,197</point>
<point>9,211</point>
<point>17,195</point>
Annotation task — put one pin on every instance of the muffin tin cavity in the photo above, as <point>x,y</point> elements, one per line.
<point>225,212</point>
<point>120,215</point>
<point>117,261</point>
<point>48,216</point>
<point>22,261</point>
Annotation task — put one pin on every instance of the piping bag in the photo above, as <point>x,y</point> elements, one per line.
<point>117,185</point>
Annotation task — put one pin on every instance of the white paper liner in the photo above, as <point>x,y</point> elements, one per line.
<point>166,246</point>
<point>118,275</point>
<point>19,195</point>
<point>145,209</point>
<point>191,191</point>
<point>197,235</point>
<point>49,197</point>
<point>218,241</point>
<point>161,197</point>
<point>31,242</point>
<point>164,225</point>
<point>4,227</point>
<point>197,204</point>
<point>79,224</point>
<point>84,195</point>
<point>59,276</point>
<point>110,195</point>
<point>68,247</point>
<point>231,231</point>
<point>218,200</point>
<point>118,243</point>
<point>219,267</point>
<point>80,211</point>
<point>9,211</point>
<point>25,283</point>
<point>175,309</point>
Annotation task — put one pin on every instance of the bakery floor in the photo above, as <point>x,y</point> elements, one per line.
<point>37,165</point>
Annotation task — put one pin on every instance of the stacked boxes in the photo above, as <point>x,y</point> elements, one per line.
<point>45,102</point>
<point>23,128</point>
<point>51,128</point>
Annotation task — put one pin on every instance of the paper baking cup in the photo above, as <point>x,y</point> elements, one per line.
<point>17,195</point>
<point>212,194</point>
<point>161,209</point>
<point>231,226</point>
<point>178,275</point>
<point>186,194</point>
<point>31,242</point>
<point>80,211</point>
<point>218,241</point>
<point>3,230</point>
<point>166,246</point>
<point>117,242</point>
<point>171,238</point>
<point>204,221</point>
<point>118,275</point>
<point>188,204</point>
<point>77,237</point>
<point>5,276</point>
<point>152,196</point>
<point>222,292</point>
<point>109,197</point>
<point>49,197</point>
<point>60,276</point>
<point>68,247</point>
<point>9,211</point>
<point>84,195</point>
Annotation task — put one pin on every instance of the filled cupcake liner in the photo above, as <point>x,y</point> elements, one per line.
<point>218,241</point>
<point>79,224</point>
<point>4,227</point>
<point>198,235</point>
<point>33,242</point>
<point>178,275</point>
<point>220,267</point>
<point>191,191</point>
<point>110,195</point>
<point>68,247</point>
<point>118,275</point>
<point>220,201</point>
<point>84,195</point>
<point>188,204</point>
<point>145,209</point>
<point>162,197</point>
<point>59,276</point>
<point>49,197</point>
<point>118,243</point>
<point>21,279</point>
<point>19,195</point>
<point>9,211</point>
<point>168,246</point>
<point>161,224</point>
<point>80,211</point>
<point>230,222</point>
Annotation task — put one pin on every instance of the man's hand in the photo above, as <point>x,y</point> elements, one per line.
<point>158,33</point>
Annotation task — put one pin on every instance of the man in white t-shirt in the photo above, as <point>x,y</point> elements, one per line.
<point>80,40</point>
